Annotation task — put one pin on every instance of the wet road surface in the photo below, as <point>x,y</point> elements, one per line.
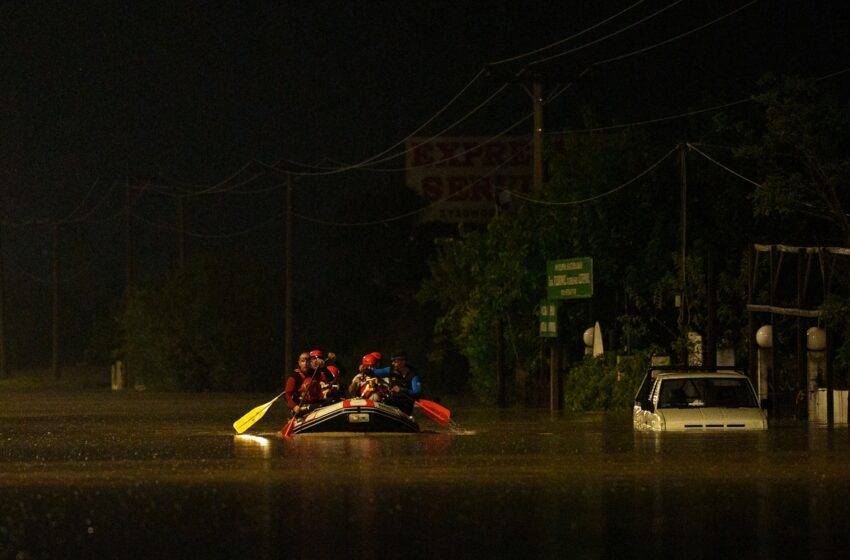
<point>148,475</point>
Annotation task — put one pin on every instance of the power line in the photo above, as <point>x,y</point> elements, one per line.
<point>420,210</point>
<point>720,165</point>
<point>566,39</point>
<point>606,37</point>
<point>334,171</point>
<point>596,197</point>
<point>676,38</point>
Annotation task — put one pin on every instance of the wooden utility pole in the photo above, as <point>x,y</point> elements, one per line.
<point>181,224</point>
<point>683,240</point>
<point>4,366</point>
<point>288,296</point>
<point>711,309</point>
<point>128,268</point>
<point>537,79</point>
<point>57,372</point>
<point>501,396</point>
<point>128,241</point>
<point>537,98</point>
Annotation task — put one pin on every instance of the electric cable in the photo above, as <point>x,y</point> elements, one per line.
<point>334,171</point>
<point>596,197</point>
<point>676,38</point>
<point>606,37</point>
<point>412,212</point>
<point>717,163</point>
<point>570,38</point>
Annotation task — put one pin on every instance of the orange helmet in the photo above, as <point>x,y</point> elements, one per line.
<point>369,360</point>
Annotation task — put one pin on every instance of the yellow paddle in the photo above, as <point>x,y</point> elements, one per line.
<point>253,415</point>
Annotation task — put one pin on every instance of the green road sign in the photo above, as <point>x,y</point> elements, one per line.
<point>549,318</point>
<point>569,278</point>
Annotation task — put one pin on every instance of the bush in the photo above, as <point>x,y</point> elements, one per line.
<point>209,327</point>
<point>602,383</point>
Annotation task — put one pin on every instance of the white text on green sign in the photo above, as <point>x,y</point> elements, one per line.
<point>570,278</point>
<point>549,319</point>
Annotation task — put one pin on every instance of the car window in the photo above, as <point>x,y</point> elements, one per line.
<point>705,391</point>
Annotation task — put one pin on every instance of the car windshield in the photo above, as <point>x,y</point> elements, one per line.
<point>706,391</point>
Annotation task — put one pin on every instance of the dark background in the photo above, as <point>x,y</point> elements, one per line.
<point>187,99</point>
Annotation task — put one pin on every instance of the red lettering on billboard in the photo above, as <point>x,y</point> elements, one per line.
<point>422,155</point>
<point>432,187</point>
<point>457,186</point>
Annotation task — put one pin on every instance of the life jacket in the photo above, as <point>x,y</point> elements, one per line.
<point>373,389</point>
<point>313,392</point>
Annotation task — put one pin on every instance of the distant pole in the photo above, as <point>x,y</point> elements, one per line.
<point>501,398</point>
<point>4,369</point>
<point>288,297</point>
<point>181,221</point>
<point>683,239</point>
<point>537,98</point>
<point>710,359</point>
<point>128,268</point>
<point>128,241</point>
<point>57,372</point>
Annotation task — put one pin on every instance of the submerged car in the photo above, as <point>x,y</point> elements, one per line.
<point>684,399</point>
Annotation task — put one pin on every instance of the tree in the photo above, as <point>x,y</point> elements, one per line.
<point>801,150</point>
<point>211,326</point>
<point>499,272</point>
<point>802,156</point>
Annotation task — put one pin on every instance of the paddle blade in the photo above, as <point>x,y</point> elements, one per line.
<point>287,430</point>
<point>252,416</point>
<point>436,412</point>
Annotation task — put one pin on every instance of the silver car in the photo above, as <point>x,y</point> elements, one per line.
<point>687,400</point>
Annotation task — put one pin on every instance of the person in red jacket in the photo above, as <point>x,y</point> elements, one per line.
<point>301,392</point>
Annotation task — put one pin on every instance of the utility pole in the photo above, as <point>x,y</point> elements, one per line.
<point>181,224</point>
<point>537,98</point>
<point>683,239</point>
<point>537,80</point>
<point>57,372</point>
<point>128,241</point>
<point>128,267</point>
<point>288,297</point>
<point>4,366</point>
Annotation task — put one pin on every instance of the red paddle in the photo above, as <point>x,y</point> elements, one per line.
<point>436,412</point>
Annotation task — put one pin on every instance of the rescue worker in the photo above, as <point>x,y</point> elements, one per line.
<point>301,393</point>
<point>364,384</point>
<point>330,378</point>
<point>404,383</point>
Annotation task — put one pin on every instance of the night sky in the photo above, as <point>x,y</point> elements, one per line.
<point>195,91</point>
<point>192,92</point>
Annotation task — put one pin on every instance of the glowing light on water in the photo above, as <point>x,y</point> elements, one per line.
<point>252,446</point>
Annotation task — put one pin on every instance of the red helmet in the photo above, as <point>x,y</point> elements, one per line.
<point>316,354</point>
<point>377,356</point>
<point>369,360</point>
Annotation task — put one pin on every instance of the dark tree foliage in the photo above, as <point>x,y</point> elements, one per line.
<point>800,147</point>
<point>615,198</point>
<point>211,326</point>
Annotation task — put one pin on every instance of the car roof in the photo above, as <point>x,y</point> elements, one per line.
<point>699,374</point>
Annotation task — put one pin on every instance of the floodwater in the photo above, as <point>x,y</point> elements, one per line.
<point>147,475</point>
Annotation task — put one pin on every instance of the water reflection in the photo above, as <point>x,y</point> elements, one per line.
<point>250,446</point>
<point>131,482</point>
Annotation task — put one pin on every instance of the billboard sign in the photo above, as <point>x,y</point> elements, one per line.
<point>461,177</point>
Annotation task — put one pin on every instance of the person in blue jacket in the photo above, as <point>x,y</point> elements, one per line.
<point>403,380</point>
